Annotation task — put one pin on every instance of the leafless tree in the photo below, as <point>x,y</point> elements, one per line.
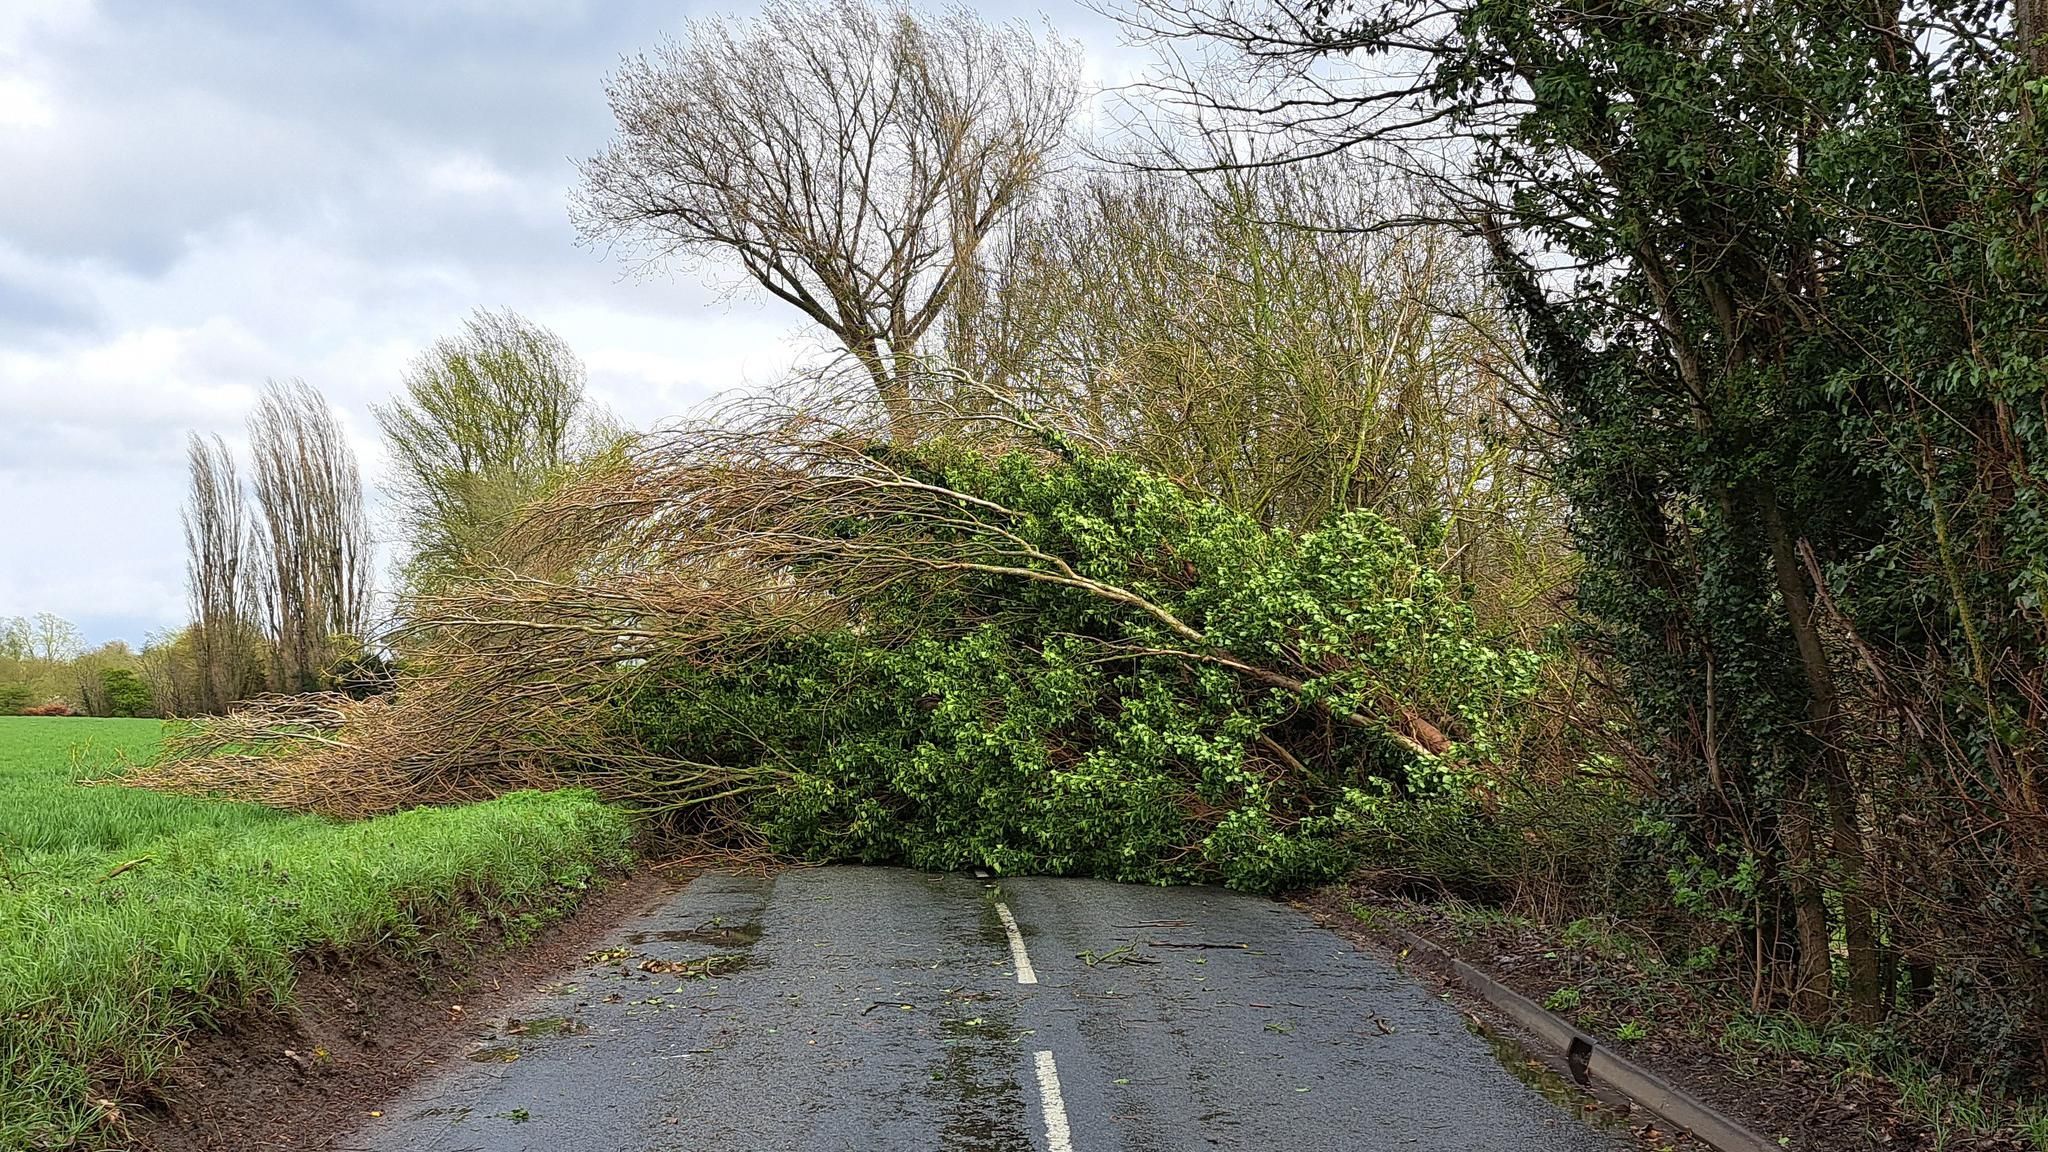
<point>217,573</point>
<point>159,666</point>
<point>851,155</point>
<point>315,537</point>
<point>16,638</point>
<point>56,639</point>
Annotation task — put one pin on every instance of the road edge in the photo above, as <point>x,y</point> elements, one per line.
<point>1589,1059</point>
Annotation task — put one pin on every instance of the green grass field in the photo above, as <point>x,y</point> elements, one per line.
<point>127,916</point>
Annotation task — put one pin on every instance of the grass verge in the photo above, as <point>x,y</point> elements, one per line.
<point>128,917</point>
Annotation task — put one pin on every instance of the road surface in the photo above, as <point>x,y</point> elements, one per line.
<point>864,1009</point>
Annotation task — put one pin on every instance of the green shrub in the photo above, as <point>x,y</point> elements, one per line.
<point>1547,847</point>
<point>127,695</point>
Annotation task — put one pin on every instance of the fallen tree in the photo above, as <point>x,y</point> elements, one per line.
<point>991,646</point>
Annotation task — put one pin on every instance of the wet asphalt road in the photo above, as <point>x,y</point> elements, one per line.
<point>843,1009</point>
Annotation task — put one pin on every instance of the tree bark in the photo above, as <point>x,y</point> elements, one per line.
<point>2030,28</point>
<point>1830,765</point>
<point>1813,982</point>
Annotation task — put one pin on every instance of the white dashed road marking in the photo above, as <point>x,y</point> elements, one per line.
<point>1057,1137</point>
<point>1025,975</point>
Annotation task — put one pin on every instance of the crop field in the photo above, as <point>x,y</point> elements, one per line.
<point>127,916</point>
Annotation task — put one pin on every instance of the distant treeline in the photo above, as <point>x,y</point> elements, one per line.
<point>46,669</point>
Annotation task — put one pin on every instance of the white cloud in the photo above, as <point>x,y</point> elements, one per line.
<point>88,556</point>
<point>92,450</point>
<point>22,20</point>
<point>24,104</point>
<point>468,175</point>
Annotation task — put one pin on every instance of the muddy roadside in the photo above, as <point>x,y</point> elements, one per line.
<point>359,1030</point>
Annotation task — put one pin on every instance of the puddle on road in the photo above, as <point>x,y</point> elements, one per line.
<point>1550,1083</point>
<point>976,1028</point>
<point>515,1028</point>
<point>991,924</point>
<point>736,936</point>
<point>977,1080</point>
<point>633,963</point>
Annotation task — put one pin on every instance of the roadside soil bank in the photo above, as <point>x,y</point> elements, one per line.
<point>358,1030</point>
<point>1813,1108</point>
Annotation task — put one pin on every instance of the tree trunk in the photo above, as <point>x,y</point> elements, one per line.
<point>1813,981</point>
<point>1823,713</point>
<point>891,389</point>
<point>2030,28</point>
<point>1859,919</point>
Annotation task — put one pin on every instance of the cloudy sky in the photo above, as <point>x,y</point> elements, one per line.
<point>198,195</point>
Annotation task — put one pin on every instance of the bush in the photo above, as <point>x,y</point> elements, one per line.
<point>126,694</point>
<point>1548,848</point>
<point>50,708</point>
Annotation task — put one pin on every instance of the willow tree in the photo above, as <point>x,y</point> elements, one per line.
<point>487,421</point>
<point>849,156</point>
<point>315,540</point>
